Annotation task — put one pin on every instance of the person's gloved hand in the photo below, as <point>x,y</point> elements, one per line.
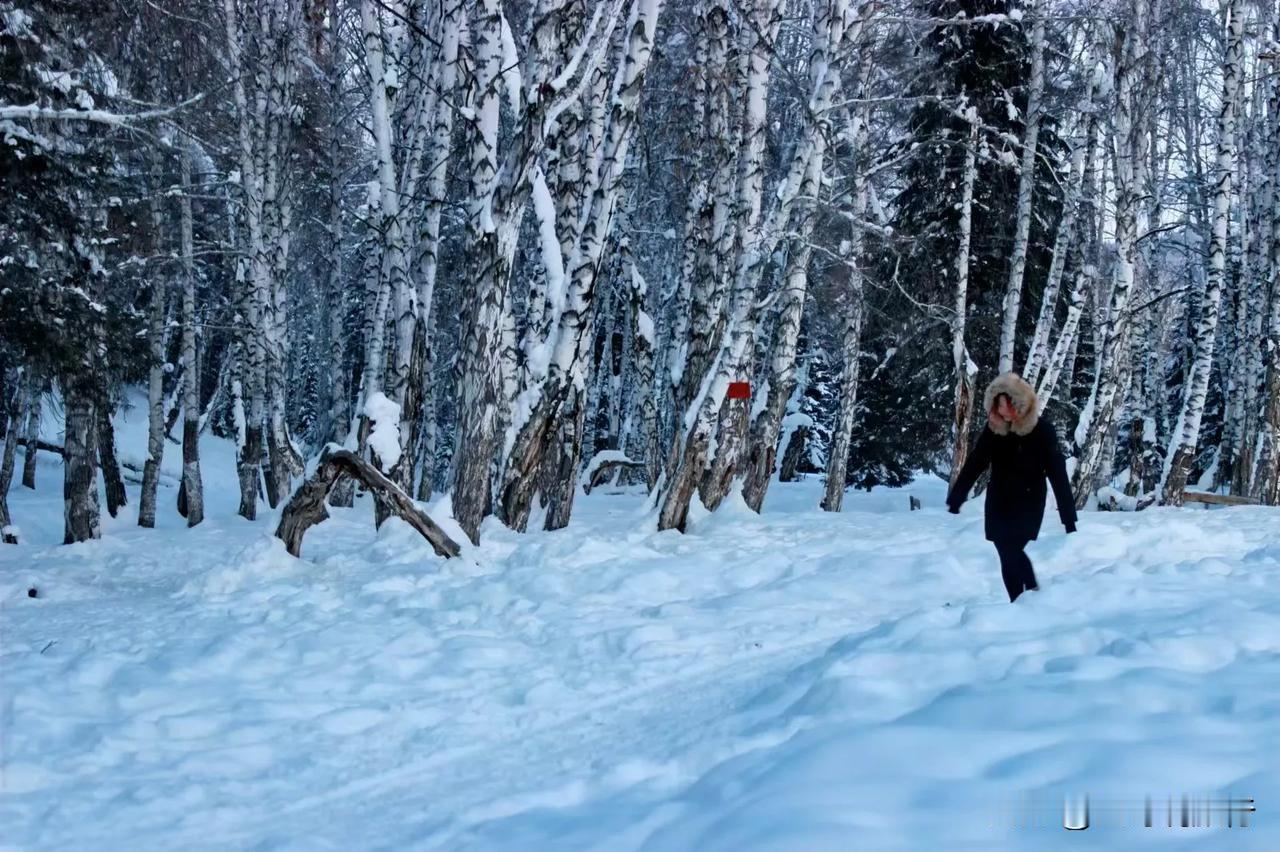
<point>1070,528</point>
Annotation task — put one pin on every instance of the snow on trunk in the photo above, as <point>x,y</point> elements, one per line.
<point>705,433</point>
<point>710,231</point>
<point>250,274</point>
<point>557,364</point>
<point>640,436</point>
<point>766,425</point>
<point>749,255</point>
<point>428,245</point>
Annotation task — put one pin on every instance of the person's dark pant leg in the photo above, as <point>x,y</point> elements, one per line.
<point>1015,567</point>
<point>1028,572</point>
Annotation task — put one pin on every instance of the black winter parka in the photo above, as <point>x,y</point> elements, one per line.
<point>1021,457</point>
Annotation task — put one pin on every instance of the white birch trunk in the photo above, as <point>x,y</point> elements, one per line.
<point>766,423</point>
<point>850,342</point>
<point>1082,158</point>
<point>479,385</point>
<point>155,372</point>
<point>192,484</point>
<point>703,414</point>
<point>1026,186</point>
<point>1266,478</point>
<point>558,365</point>
<point>1129,143</point>
<point>732,422</point>
<point>394,287</point>
<point>963,367</point>
<point>252,278</point>
<point>428,248</point>
<point>1186,434</point>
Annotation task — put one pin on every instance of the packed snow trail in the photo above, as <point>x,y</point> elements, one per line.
<point>794,680</point>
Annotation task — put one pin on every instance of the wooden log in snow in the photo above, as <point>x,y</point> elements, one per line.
<point>306,507</point>
<point>1220,499</point>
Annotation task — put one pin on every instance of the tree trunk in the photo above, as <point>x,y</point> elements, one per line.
<point>479,382</point>
<point>964,369</point>
<point>1129,143</point>
<point>1026,185</point>
<point>192,488</point>
<point>112,480</point>
<point>711,413</point>
<point>837,473</point>
<point>155,375</point>
<point>547,381</point>
<point>766,427</point>
<point>1083,159</point>
<point>306,507</point>
<point>31,418</point>
<point>80,460</point>
<point>18,389</point>
<point>1186,435</point>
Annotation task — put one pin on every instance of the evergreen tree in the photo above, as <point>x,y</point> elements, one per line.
<point>983,66</point>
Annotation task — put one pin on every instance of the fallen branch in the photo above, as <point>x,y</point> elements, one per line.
<point>41,445</point>
<point>306,507</point>
<point>603,464</point>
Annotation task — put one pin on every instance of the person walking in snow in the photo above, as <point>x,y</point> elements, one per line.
<point>1022,451</point>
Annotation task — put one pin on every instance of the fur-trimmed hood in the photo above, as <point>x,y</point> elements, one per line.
<point>1024,404</point>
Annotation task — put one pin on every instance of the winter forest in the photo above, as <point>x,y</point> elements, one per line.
<point>494,249</point>
<point>465,268</point>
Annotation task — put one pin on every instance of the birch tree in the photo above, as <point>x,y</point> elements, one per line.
<point>1266,479</point>
<point>1181,453</point>
<point>759,235</point>
<point>965,371</point>
<point>1129,149</point>
<point>1026,185</point>
<point>1084,155</point>
<point>156,317</point>
<point>498,197</point>
<point>851,337</point>
<point>192,494</point>
<point>555,367</point>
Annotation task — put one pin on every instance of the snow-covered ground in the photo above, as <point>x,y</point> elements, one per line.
<point>795,680</point>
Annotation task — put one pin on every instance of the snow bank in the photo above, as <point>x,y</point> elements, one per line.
<point>792,680</point>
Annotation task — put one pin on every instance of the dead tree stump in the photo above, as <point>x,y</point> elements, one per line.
<point>306,507</point>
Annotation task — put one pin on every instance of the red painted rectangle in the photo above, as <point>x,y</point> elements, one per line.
<point>739,390</point>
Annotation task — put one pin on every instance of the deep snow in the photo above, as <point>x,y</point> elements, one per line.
<point>795,680</point>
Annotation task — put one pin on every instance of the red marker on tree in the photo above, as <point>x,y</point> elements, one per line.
<point>739,390</point>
